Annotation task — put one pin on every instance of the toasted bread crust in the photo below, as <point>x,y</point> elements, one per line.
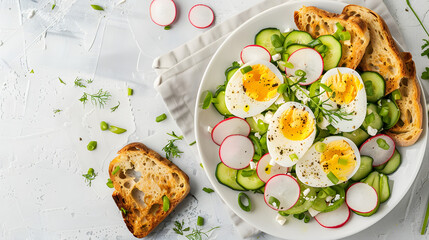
<point>143,179</point>
<point>319,22</point>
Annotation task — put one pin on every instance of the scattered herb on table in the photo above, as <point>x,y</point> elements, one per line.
<point>200,221</point>
<point>97,7</point>
<point>197,234</point>
<point>124,211</point>
<point>192,143</point>
<point>109,183</point>
<point>425,74</point>
<point>53,6</point>
<point>179,227</point>
<point>208,190</point>
<point>98,99</point>
<point>32,71</point>
<point>91,146</point>
<point>89,176</point>
<point>61,81</point>
<point>112,109</point>
<point>167,27</point>
<point>56,111</point>
<point>171,150</point>
<point>117,130</point>
<point>78,82</point>
<point>104,126</point>
<point>89,81</point>
<point>161,117</point>
<point>130,91</point>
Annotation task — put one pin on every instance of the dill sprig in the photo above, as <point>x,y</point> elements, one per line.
<point>171,150</point>
<point>179,227</point>
<point>98,99</point>
<point>56,111</point>
<point>89,176</point>
<point>197,234</point>
<point>78,82</point>
<point>112,109</point>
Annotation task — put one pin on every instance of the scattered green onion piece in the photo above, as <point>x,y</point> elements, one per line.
<point>262,126</point>
<point>329,191</point>
<point>339,26</point>
<point>384,111</point>
<point>344,36</point>
<point>123,211</point>
<point>53,6</point>
<point>276,41</point>
<point>306,218</point>
<point>200,221</point>
<point>320,147</point>
<point>321,48</point>
<point>382,144</point>
<point>369,118</point>
<point>282,88</point>
<point>32,71</point>
<point>117,130</point>
<point>201,165</point>
<point>109,183</point>
<point>314,43</point>
<point>161,118</point>
<point>97,7</point>
<point>165,203</point>
<point>342,161</point>
<point>369,88</point>
<point>130,91</point>
<point>293,157</point>
<point>331,129</point>
<point>241,204</point>
<point>91,146</point>
<point>116,170</point>
<point>396,95</point>
<point>425,222</point>
<point>289,65</point>
<point>246,69</point>
<point>299,216</point>
<point>192,143</point>
<point>323,55</point>
<point>208,190</point>
<point>333,178</point>
<point>279,49</point>
<point>283,214</point>
<point>274,202</point>
<point>247,173</point>
<point>168,27</point>
<point>207,100</point>
<point>322,194</point>
<point>104,126</point>
<point>285,57</point>
<point>300,73</point>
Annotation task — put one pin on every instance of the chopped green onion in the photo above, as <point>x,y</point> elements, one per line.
<point>165,203</point>
<point>117,130</point>
<point>342,161</point>
<point>314,43</point>
<point>299,216</point>
<point>97,7</point>
<point>369,118</point>
<point>192,143</point>
<point>285,57</point>
<point>384,111</point>
<point>331,129</point>
<point>339,26</point>
<point>293,157</point>
<point>61,81</point>
<point>283,214</point>
<point>200,221</point>
<point>104,126</point>
<point>386,119</point>
<point>32,71</point>
<point>321,48</point>
<point>282,88</point>
<point>123,211</point>
<point>208,190</point>
<point>274,202</point>
<point>289,65</point>
<point>167,27</point>
<point>247,173</point>
<point>201,165</point>
<point>116,170</point>
<point>109,183</point>
<point>323,55</point>
<point>425,222</point>
<point>306,218</point>
<point>247,207</point>
<point>320,147</point>
<point>300,73</point>
<point>396,95</point>
<point>130,91</point>
<point>276,41</point>
<point>382,144</point>
<point>279,49</point>
<point>246,69</point>
<point>207,100</point>
<point>262,126</point>
<point>333,178</point>
<point>369,88</point>
<point>322,194</point>
<point>329,191</point>
<point>53,6</point>
<point>344,36</point>
<point>91,146</point>
<point>161,118</point>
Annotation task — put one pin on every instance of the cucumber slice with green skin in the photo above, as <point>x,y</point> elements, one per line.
<point>377,122</point>
<point>333,55</point>
<point>335,205</point>
<point>303,205</point>
<point>377,84</point>
<point>293,47</point>
<point>319,204</point>
<point>364,169</point>
<point>370,179</point>
<point>230,73</point>
<point>220,105</point>
<point>227,176</point>
<point>376,183</point>
<point>251,182</point>
<point>255,127</point>
<point>393,164</point>
<point>299,37</point>
<point>358,136</point>
<point>384,188</point>
<point>393,116</point>
<point>370,213</point>
<point>379,168</point>
<point>263,38</point>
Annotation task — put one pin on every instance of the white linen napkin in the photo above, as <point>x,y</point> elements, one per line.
<point>180,71</point>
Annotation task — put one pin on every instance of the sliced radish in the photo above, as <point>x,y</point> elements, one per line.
<point>254,52</point>
<point>361,198</point>
<point>372,148</point>
<point>230,126</point>
<point>265,171</point>
<point>334,219</point>
<point>236,151</point>
<point>201,16</point>
<point>163,12</point>
<point>308,60</point>
<point>284,189</point>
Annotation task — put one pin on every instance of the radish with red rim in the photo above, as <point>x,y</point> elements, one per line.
<point>281,192</point>
<point>334,219</point>
<point>308,60</point>
<point>229,126</point>
<point>236,151</point>
<point>254,52</point>
<point>361,198</point>
<point>265,171</point>
<point>380,147</point>
<point>163,12</point>
<point>201,16</point>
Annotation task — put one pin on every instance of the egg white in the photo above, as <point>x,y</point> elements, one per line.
<point>281,147</point>
<point>357,107</point>
<point>236,98</point>
<point>310,172</point>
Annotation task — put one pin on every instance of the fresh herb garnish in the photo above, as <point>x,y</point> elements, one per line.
<point>109,183</point>
<point>32,71</point>
<point>117,168</point>
<point>61,81</point>
<point>197,234</point>
<point>89,176</point>
<point>112,109</point>
<point>192,143</point>
<point>167,27</point>
<point>57,111</point>
<point>208,190</point>
<point>97,7</point>
<point>171,150</point>
<point>179,227</point>
<point>78,82</point>
<point>53,6</point>
<point>425,74</point>
<point>124,211</point>
<point>100,98</point>
<point>89,81</point>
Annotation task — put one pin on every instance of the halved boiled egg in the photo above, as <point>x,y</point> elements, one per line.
<point>253,88</point>
<point>330,162</point>
<point>347,99</point>
<point>291,133</point>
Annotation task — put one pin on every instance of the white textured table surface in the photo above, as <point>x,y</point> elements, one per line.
<point>42,158</point>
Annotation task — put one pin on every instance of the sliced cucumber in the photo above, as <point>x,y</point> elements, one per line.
<point>333,55</point>
<point>384,188</point>
<point>376,183</point>
<point>251,182</point>
<point>263,38</point>
<point>393,164</point>
<point>393,115</point>
<point>370,213</point>
<point>256,127</point>
<point>370,179</point>
<point>230,73</point>
<point>358,136</point>
<point>375,86</point>
<point>379,168</point>
<point>304,202</point>
<point>220,104</point>
<point>299,37</point>
<point>227,176</point>
<point>375,122</point>
<point>293,47</point>
<point>364,169</point>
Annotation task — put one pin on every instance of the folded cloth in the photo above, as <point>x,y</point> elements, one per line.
<point>180,71</point>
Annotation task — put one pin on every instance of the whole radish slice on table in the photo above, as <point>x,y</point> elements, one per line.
<point>163,12</point>
<point>201,16</point>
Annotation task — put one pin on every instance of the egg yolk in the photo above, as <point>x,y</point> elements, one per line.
<point>260,83</point>
<point>296,124</point>
<point>344,87</point>
<point>339,159</point>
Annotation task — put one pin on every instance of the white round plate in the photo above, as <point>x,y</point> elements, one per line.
<point>262,217</point>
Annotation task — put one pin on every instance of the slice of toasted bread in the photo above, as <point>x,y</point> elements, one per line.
<point>319,22</point>
<point>409,127</point>
<point>142,180</point>
<point>382,54</point>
